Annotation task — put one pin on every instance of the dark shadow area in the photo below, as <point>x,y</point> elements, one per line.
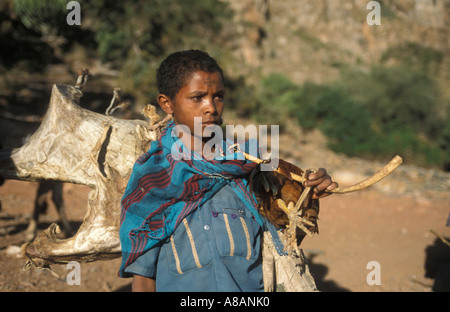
<point>437,265</point>
<point>21,226</point>
<point>74,224</point>
<point>319,272</point>
<point>12,228</point>
<point>125,288</point>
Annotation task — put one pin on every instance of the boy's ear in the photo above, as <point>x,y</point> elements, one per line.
<point>165,103</point>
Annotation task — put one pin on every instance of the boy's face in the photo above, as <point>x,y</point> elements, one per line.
<point>201,96</point>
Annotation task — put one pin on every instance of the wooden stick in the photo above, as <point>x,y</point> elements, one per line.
<point>381,174</point>
<point>294,176</point>
<point>440,237</point>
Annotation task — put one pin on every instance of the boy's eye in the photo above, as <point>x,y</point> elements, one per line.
<point>197,98</point>
<point>219,97</point>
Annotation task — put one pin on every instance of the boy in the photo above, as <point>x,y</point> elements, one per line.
<point>191,223</point>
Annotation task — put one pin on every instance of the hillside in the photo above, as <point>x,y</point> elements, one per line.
<point>312,40</point>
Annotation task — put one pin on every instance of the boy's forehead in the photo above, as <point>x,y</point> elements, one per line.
<point>200,76</point>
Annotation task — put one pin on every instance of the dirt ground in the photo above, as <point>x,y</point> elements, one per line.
<point>355,229</point>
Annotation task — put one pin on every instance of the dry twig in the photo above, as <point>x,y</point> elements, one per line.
<point>446,242</point>
<point>83,77</point>
<point>381,174</point>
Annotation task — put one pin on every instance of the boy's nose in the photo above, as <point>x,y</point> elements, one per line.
<point>210,106</point>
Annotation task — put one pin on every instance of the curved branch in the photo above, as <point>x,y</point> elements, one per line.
<point>381,174</point>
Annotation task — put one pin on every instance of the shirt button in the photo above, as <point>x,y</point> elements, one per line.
<point>207,227</point>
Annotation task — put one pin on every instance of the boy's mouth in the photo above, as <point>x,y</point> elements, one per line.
<point>210,122</point>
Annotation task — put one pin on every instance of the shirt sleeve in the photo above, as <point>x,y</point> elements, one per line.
<point>145,265</point>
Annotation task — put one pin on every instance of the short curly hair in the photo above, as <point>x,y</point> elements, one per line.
<point>173,71</point>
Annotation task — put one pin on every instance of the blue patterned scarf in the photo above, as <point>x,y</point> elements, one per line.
<point>164,188</point>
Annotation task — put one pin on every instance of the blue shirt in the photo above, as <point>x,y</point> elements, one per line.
<point>215,248</point>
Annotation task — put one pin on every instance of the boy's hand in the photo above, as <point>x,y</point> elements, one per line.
<point>320,181</point>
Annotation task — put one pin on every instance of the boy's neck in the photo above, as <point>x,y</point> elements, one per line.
<point>197,145</point>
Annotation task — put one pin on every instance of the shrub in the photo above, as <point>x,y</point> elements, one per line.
<point>263,103</point>
<point>380,113</point>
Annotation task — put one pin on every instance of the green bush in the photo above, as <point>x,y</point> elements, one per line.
<point>347,124</point>
<point>36,14</point>
<point>380,113</point>
<point>137,77</point>
<point>263,102</point>
<point>302,103</point>
<point>443,142</point>
<point>404,104</point>
<point>415,55</point>
<point>404,96</point>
